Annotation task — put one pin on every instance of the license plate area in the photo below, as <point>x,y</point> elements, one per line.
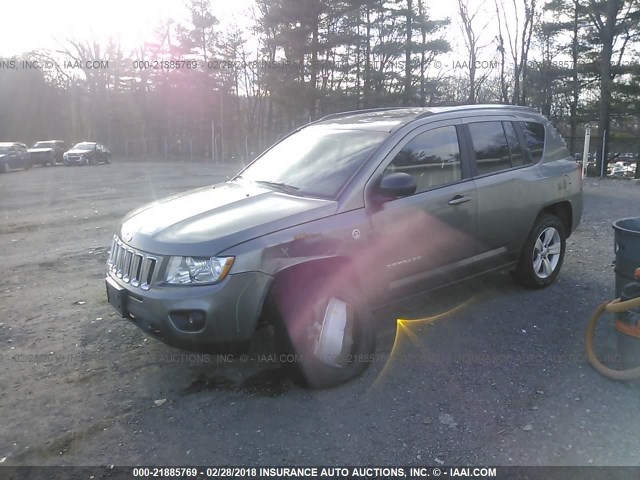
<point>117,297</point>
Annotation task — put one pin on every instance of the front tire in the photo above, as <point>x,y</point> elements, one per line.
<point>543,253</point>
<point>6,168</point>
<point>323,328</point>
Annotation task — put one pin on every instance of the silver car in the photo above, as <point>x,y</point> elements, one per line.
<point>345,214</point>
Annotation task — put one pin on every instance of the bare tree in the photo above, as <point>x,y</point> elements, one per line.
<point>472,36</point>
<point>519,33</point>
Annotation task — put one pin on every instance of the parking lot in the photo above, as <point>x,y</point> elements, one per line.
<point>500,380</point>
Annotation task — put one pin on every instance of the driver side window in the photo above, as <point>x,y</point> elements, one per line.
<point>432,158</point>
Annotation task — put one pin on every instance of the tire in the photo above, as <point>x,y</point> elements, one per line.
<point>301,301</point>
<point>543,253</point>
<point>6,168</point>
<point>28,166</point>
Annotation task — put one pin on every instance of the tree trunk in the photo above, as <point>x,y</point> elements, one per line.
<point>606,36</point>
<point>573,108</point>
<point>407,56</point>
<point>367,60</point>
<point>314,69</point>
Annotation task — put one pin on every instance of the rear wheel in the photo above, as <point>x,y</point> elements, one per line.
<point>6,168</point>
<point>543,253</point>
<point>324,331</point>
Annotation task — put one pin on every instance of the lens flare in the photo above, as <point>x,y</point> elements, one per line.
<point>404,329</point>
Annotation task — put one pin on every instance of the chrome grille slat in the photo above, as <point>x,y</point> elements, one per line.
<point>132,266</point>
<point>128,256</point>
<point>136,267</point>
<point>146,275</point>
<point>120,266</point>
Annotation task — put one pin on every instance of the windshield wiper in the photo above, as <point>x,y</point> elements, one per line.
<point>283,187</point>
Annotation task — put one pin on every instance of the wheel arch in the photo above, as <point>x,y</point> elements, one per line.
<point>562,210</point>
<point>310,269</point>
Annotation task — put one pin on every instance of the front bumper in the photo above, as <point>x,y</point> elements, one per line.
<point>74,161</point>
<point>230,308</point>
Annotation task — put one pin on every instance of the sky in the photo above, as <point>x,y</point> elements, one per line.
<point>47,24</point>
<point>38,24</point>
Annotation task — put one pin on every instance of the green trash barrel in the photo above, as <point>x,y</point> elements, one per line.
<point>627,250</point>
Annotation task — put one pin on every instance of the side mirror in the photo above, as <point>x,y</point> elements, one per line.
<point>397,185</point>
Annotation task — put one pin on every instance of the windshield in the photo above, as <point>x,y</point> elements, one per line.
<point>316,161</point>
<point>44,145</point>
<point>84,146</point>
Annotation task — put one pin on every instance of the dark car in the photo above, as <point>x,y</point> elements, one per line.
<point>341,216</point>
<point>87,153</point>
<point>14,155</point>
<point>47,152</point>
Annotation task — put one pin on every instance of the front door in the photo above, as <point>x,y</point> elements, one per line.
<point>427,235</point>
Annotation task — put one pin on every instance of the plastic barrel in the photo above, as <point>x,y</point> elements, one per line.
<point>627,250</point>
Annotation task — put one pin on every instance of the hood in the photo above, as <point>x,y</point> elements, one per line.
<point>78,152</point>
<point>206,221</point>
<point>41,150</point>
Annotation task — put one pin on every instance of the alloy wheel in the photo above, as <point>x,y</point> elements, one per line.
<point>546,252</point>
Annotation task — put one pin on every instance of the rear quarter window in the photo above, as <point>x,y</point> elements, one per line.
<point>555,147</point>
<point>534,137</point>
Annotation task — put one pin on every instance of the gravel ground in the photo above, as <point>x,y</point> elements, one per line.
<point>501,380</point>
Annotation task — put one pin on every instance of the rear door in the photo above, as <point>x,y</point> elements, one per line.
<point>15,157</point>
<point>505,178</point>
<point>429,235</point>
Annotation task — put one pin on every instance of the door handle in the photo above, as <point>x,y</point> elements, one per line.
<point>458,199</point>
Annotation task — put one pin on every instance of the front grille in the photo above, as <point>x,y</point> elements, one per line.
<point>132,266</point>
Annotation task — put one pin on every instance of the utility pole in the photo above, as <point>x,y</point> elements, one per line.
<point>603,164</point>
<point>221,127</point>
<point>213,141</point>
<point>585,152</point>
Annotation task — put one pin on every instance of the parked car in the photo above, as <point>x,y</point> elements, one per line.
<point>47,152</point>
<point>345,214</point>
<point>621,169</point>
<point>87,153</point>
<point>14,155</point>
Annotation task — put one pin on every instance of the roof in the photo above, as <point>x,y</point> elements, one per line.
<point>385,119</point>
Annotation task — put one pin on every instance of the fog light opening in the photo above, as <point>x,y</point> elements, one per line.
<point>188,320</point>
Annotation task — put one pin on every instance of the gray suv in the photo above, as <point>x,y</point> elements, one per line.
<point>342,215</point>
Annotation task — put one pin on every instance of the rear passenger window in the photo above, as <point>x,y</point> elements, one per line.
<point>432,157</point>
<point>534,139</point>
<point>517,155</point>
<point>490,146</point>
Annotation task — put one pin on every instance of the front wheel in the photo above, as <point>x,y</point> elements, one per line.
<point>323,330</point>
<point>543,253</point>
<point>6,168</point>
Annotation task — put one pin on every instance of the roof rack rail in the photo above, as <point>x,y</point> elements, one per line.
<point>353,112</point>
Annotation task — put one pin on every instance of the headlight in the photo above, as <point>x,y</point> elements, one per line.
<point>197,270</point>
